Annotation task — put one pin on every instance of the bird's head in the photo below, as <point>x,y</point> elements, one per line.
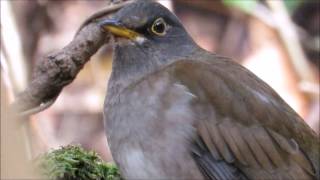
<point>148,29</point>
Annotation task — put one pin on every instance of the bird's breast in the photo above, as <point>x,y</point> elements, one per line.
<point>150,127</point>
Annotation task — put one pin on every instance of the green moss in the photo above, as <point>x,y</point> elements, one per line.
<point>74,163</point>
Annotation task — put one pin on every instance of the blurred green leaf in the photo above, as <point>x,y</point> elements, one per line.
<point>291,5</point>
<point>245,5</point>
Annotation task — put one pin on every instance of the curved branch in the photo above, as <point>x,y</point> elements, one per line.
<point>61,67</point>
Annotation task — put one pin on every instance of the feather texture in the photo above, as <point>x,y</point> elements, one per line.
<point>250,127</point>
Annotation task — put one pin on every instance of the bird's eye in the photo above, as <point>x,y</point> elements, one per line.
<point>159,27</point>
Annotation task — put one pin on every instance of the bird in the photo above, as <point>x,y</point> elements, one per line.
<point>176,111</point>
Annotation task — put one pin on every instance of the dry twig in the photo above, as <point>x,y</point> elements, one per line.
<point>60,68</point>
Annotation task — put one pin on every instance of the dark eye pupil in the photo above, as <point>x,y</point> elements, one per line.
<point>159,27</point>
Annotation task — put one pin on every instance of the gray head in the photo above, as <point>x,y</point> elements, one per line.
<point>150,36</point>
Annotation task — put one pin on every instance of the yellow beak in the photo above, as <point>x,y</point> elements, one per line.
<point>115,28</point>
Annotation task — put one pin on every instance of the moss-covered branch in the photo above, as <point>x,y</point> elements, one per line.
<point>74,163</point>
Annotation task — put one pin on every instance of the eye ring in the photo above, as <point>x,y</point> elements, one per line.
<point>159,27</point>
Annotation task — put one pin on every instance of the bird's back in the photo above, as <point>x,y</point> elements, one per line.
<point>244,122</point>
<point>206,117</point>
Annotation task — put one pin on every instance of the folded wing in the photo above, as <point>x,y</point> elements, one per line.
<point>245,130</point>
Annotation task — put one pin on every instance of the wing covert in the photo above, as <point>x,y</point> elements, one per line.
<point>243,122</point>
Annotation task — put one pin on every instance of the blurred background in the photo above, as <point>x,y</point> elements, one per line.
<point>277,40</point>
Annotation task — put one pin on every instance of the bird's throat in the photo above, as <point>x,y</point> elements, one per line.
<point>132,61</point>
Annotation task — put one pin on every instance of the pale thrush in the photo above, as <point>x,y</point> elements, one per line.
<point>176,111</point>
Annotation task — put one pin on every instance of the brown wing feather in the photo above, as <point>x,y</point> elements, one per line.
<point>244,122</point>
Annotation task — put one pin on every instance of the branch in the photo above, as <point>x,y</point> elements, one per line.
<point>61,67</point>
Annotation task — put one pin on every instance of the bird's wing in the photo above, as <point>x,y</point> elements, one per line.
<point>242,123</point>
